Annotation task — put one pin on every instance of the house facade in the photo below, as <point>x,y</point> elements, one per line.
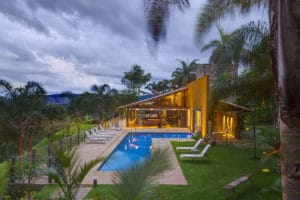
<point>185,107</point>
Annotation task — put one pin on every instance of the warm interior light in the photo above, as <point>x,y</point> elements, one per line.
<point>265,170</point>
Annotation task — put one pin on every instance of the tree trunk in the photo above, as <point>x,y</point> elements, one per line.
<point>21,137</point>
<point>285,54</point>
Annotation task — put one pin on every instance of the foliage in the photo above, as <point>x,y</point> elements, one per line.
<point>13,190</point>
<point>216,10</point>
<point>157,13</point>
<point>46,192</point>
<point>197,135</point>
<point>135,79</point>
<point>67,172</point>
<point>21,111</point>
<point>226,51</point>
<point>138,181</point>
<point>3,177</point>
<point>159,87</point>
<point>185,74</point>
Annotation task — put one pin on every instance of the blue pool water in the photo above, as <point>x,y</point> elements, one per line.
<point>134,147</point>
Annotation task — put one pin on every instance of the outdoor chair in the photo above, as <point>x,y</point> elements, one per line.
<point>193,148</point>
<point>101,133</point>
<point>198,155</point>
<point>92,139</point>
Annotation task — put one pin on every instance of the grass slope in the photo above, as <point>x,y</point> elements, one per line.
<point>207,177</point>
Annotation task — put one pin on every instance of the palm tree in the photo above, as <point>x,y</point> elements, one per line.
<point>226,51</point>
<point>157,13</point>
<point>284,51</point>
<point>185,74</point>
<point>135,79</point>
<point>255,86</point>
<point>67,172</point>
<point>215,10</point>
<point>159,87</point>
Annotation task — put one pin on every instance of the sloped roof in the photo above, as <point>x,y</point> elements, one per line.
<point>228,106</point>
<point>152,98</point>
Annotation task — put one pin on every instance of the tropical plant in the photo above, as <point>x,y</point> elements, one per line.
<point>284,18</point>
<point>135,79</point>
<point>138,182</point>
<point>159,87</point>
<point>226,51</point>
<point>185,74</point>
<point>216,10</point>
<point>254,87</point>
<point>68,173</point>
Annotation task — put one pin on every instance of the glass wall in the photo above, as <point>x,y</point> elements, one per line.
<point>157,118</point>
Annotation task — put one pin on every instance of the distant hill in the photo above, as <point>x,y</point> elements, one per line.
<point>59,99</point>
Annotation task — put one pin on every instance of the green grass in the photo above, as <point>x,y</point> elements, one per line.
<point>44,142</point>
<point>3,177</point>
<point>207,177</point>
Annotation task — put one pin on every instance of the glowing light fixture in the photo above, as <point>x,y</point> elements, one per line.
<point>265,170</point>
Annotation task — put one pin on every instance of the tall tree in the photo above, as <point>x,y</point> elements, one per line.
<point>285,48</point>
<point>23,103</point>
<point>135,79</point>
<point>226,51</point>
<point>185,74</point>
<point>285,51</point>
<point>159,87</point>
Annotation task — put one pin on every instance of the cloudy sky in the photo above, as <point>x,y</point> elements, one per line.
<point>68,45</point>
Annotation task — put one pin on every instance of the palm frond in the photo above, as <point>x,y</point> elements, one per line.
<point>253,32</point>
<point>211,44</point>
<point>137,182</point>
<point>214,10</point>
<point>86,168</point>
<point>157,13</point>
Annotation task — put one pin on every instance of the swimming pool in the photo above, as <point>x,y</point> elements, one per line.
<point>135,147</point>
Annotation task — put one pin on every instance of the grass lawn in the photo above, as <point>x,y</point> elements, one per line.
<point>207,177</point>
<point>3,177</point>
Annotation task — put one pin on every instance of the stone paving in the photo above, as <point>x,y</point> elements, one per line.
<point>87,152</point>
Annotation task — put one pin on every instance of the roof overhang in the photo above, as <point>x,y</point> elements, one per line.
<point>231,107</point>
<point>152,98</point>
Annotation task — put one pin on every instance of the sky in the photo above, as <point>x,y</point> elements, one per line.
<point>69,45</point>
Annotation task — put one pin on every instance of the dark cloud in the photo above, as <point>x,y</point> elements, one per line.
<point>13,10</point>
<point>72,44</point>
<point>116,14</point>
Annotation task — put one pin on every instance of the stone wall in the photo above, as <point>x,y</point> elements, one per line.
<point>211,71</point>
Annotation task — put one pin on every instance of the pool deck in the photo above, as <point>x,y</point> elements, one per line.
<point>87,152</point>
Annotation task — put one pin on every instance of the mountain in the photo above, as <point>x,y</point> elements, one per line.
<point>60,99</point>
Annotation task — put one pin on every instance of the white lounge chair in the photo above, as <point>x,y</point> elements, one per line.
<point>198,155</point>
<point>92,139</point>
<point>193,148</point>
<point>101,134</point>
